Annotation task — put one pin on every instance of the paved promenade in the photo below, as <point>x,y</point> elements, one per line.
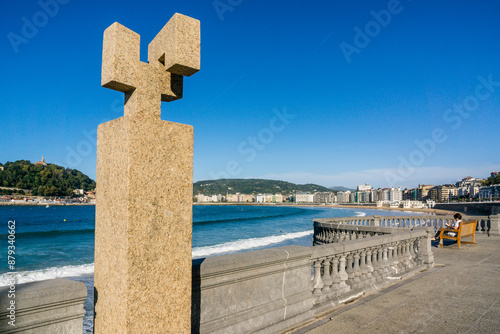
<point>461,294</point>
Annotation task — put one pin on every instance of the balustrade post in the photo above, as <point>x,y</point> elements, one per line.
<point>427,255</point>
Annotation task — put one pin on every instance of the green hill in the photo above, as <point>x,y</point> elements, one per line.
<point>252,186</point>
<point>494,179</point>
<point>50,180</point>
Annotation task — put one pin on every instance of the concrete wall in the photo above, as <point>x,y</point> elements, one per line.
<point>46,307</point>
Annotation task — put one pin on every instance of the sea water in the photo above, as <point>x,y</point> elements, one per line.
<point>58,241</point>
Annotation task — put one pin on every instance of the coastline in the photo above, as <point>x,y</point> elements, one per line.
<point>310,205</point>
<point>42,204</point>
<point>340,206</point>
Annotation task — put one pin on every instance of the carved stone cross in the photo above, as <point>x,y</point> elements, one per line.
<point>173,53</point>
<point>143,234</point>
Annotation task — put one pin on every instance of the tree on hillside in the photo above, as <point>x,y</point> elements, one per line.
<point>492,180</point>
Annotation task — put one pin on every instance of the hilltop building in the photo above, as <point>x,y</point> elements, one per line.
<point>41,162</point>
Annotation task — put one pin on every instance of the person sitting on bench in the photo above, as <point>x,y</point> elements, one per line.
<point>455,226</point>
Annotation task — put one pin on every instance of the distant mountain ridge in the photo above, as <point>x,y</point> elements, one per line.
<point>252,186</point>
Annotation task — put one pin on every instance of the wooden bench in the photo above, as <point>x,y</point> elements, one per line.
<point>465,229</point>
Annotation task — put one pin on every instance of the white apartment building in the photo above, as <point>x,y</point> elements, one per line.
<point>304,197</point>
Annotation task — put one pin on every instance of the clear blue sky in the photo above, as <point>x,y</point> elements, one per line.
<point>362,92</point>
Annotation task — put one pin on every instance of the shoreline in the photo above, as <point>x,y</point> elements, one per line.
<point>339,206</point>
<point>311,205</point>
<point>42,204</point>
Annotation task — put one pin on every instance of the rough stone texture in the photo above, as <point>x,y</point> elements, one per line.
<point>46,307</point>
<point>145,85</point>
<point>144,195</point>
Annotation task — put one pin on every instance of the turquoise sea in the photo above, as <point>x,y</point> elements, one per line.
<point>58,241</point>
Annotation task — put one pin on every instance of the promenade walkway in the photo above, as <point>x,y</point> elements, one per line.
<point>461,294</point>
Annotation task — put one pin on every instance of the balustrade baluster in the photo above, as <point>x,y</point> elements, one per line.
<point>412,252</point>
<point>369,266</point>
<point>404,256</point>
<point>400,257</point>
<point>375,264</point>
<point>327,279</point>
<point>391,258</point>
<point>418,249</point>
<point>408,254</point>
<point>364,269</point>
<point>385,261</point>
<point>335,275</point>
<point>350,270</point>
<point>343,287</point>
<point>357,271</point>
<point>317,281</point>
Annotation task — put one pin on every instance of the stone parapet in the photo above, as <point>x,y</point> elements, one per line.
<point>262,291</point>
<point>46,307</point>
<point>271,290</point>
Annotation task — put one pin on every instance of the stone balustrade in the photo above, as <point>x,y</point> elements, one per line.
<point>345,270</point>
<point>339,229</point>
<point>270,290</point>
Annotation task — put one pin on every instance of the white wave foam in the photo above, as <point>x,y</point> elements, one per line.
<point>49,273</point>
<point>244,244</point>
<point>360,214</point>
<point>88,269</point>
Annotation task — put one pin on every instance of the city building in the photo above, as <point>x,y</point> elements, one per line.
<point>324,197</point>
<point>364,187</point>
<point>304,197</point>
<point>489,193</point>
<point>423,191</point>
<point>343,196</point>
